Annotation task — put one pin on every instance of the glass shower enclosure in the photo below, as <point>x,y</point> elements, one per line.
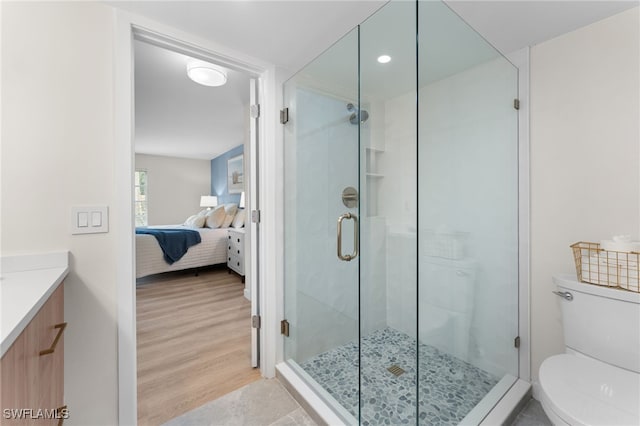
<point>401,220</point>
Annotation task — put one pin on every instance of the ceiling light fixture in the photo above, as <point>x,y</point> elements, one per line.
<point>383,59</point>
<point>206,74</point>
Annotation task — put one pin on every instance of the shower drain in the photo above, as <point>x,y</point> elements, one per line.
<point>395,370</point>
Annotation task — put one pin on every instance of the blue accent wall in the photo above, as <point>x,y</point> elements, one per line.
<point>219,176</point>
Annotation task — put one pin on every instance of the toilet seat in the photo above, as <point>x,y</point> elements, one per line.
<point>582,391</point>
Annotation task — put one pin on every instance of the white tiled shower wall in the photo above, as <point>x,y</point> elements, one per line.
<point>467,183</point>
<point>322,292</point>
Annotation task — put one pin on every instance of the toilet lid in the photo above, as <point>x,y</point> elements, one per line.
<point>584,391</point>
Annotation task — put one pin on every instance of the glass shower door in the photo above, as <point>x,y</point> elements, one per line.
<point>468,219</point>
<point>402,143</point>
<point>389,274</point>
<point>321,213</point>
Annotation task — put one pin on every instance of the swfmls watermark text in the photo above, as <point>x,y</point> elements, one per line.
<point>35,413</point>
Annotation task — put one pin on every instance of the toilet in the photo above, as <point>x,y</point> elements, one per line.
<point>597,380</point>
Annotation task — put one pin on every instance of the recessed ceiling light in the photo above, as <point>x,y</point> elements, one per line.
<point>384,59</point>
<point>206,74</point>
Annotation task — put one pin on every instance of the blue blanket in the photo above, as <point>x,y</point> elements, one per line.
<point>174,242</point>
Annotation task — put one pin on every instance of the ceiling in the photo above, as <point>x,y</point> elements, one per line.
<point>177,117</point>
<point>290,34</point>
<point>512,25</point>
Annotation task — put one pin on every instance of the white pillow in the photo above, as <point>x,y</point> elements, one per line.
<point>230,210</point>
<point>215,217</point>
<point>195,221</point>
<point>238,221</point>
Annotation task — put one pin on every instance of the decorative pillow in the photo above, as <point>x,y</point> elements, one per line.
<point>195,221</point>
<point>238,221</point>
<point>215,217</point>
<point>230,210</point>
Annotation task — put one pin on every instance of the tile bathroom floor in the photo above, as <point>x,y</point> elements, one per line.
<point>261,403</point>
<point>267,403</point>
<point>449,387</point>
<point>532,414</point>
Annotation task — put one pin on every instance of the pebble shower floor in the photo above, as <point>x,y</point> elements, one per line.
<point>449,387</point>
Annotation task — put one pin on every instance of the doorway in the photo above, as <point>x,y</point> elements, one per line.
<point>129,34</point>
<point>194,337</point>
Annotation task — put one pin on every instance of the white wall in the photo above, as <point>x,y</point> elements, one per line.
<point>174,187</point>
<point>585,156</point>
<point>58,151</point>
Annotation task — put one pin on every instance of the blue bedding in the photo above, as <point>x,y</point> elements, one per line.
<point>173,242</point>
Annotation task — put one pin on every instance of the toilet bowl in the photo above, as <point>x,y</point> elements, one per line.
<point>597,380</point>
<point>582,391</point>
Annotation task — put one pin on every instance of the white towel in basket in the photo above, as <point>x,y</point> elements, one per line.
<point>611,269</point>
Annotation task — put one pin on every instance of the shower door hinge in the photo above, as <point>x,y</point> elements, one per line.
<point>516,103</point>
<point>284,116</point>
<point>516,342</point>
<point>284,327</point>
<point>255,321</point>
<point>255,111</point>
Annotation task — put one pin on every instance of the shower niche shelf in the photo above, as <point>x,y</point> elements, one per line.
<point>374,177</point>
<point>372,162</point>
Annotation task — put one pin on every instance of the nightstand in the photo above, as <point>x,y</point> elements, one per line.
<point>235,251</point>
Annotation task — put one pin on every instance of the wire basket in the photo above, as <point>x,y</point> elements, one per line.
<point>449,245</point>
<point>595,265</point>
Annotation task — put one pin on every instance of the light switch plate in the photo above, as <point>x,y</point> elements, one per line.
<point>89,219</point>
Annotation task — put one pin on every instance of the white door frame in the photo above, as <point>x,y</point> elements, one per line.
<point>127,27</point>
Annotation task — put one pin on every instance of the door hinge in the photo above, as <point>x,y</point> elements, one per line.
<point>255,321</point>
<point>516,342</point>
<point>255,111</point>
<point>284,116</point>
<point>516,103</point>
<point>255,216</point>
<point>284,327</point>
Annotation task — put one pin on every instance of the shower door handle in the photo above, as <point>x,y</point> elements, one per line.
<point>356,237</point>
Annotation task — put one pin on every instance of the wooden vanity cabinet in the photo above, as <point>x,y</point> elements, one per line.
<point>31,375</point>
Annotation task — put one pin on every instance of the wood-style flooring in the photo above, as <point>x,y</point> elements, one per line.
<point>194,342</point>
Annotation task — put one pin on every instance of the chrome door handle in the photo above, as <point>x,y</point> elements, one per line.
<point>356,237</point>
<point>564,294</point>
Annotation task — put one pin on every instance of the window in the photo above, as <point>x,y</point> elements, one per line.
<point>140,188</point>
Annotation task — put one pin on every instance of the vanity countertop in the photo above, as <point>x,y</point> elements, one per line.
<point>25,285</point>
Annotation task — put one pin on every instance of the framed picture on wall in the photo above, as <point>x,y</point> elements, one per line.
<point>235,174</point>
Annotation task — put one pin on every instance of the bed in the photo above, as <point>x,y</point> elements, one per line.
<point>212,250</point>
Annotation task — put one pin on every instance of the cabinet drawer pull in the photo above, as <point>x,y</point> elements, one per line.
<point>60,328</point>
<point>62,413</point>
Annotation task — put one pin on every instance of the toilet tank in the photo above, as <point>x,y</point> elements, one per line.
<point>446,304</point>
<point>601,322</point>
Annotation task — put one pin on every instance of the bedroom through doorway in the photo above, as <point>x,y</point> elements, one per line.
<point>193,146</point>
